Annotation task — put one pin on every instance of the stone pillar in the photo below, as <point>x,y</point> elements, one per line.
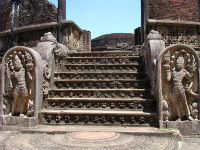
<point>61,17</point>
<point>61,10</point>
<point>144,18</point>
<point>15,14</point>
<point>199,9</point>
<point>14,21</point>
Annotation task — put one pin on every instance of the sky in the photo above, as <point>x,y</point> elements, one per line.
<point>104,16</point>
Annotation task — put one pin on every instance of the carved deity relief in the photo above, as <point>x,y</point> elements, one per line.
<point>179,77</point>
<point>18,94</point>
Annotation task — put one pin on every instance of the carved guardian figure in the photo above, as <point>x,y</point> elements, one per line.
<point>20,95</point>
<point>19,73</point>
<point>179,99</point>
<point>178,84</point>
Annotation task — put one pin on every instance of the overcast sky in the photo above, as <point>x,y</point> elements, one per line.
<point>104,16</point>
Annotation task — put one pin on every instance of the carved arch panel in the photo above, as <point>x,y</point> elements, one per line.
<point>178,84</point>
<point>21,82</point>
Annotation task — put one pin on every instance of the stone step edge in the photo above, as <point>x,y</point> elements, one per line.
<point>106,90</point>
<point>97,80</point>
<point>103,52</point>
<point>100,99</point>
<point>104,57</point>
<point>99,72</point>
<point>136,130</point>
<point>129,64</point>
<point>98,112</point>
<point>97,109</point>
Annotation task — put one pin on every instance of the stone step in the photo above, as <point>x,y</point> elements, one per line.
<point>100,84</point>
<point>104,67</point>
<point>102,103</point>
<point>105,117</point>
<point>103,60</point>
<point>104,54</point>
<point>100,75</point>
<point>99,93</point>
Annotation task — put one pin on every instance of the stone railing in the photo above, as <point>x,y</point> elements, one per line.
<point>150,51</point>
<point>175,79</point>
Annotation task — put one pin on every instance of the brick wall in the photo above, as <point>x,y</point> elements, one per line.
<point>111,40</point>
<point>185,10</point>
<point>36,12</point>
<point>31,12</point>
<point>5,14</point>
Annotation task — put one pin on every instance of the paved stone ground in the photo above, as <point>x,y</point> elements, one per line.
<point>190,144</point>
<point>95,138</point>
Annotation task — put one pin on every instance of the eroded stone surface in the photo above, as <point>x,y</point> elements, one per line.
<point>122,141</point>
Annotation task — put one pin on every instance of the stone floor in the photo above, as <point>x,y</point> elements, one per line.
<point>190,144</point>
<point>95,138</point>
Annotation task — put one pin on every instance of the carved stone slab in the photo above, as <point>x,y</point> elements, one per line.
<point>21,83</point>
<point>185,127</point>
<point>178,84</point>
<point>18,121</point>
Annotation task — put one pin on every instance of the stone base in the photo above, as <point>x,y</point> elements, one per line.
<point>18,121</point>
<point>186,127</point>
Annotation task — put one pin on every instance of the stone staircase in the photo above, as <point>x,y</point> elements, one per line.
<point>101,88</point>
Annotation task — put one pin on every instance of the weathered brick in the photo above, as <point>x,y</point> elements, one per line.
<point>110,40</point>
<point>184,10</point>
<point>5,14</point>
<point>30,12</point>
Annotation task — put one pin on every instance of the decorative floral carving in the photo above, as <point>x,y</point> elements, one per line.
<point>98,119</point>
<point>46,75</point>
<point>177,34</point>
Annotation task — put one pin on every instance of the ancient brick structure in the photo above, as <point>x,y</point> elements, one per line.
<point>57,80</point>
<point>30,12</point>
<point>36,12</point>
<point>5,17</point>
<point>33,17</point>
<point>185,10</point>
<point>113,41</point>
<point>176,20</point>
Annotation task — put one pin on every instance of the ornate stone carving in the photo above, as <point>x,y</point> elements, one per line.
<point>46,81</point>
<point>178,34</point>
<point>133,105</point>
<point>21,77</point>
<point>98,119</point>
<point>179,83</point>
<point>19,69</point>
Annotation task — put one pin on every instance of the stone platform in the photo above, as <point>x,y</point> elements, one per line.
<point>90,138</point>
